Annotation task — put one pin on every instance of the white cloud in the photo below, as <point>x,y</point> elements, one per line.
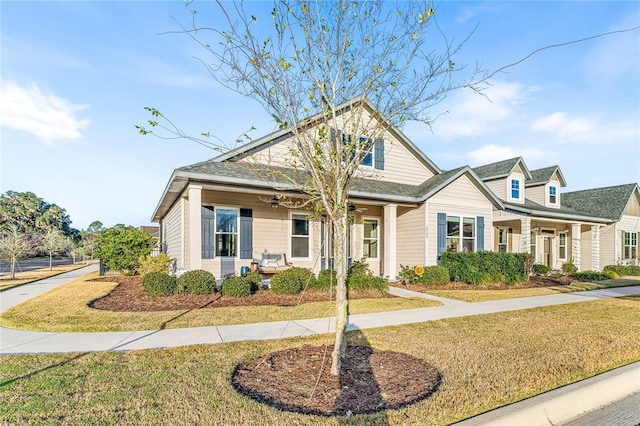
<point>492,153</point>
<point>584,129</point>
<point>473,115</point>
<point>43,114</point>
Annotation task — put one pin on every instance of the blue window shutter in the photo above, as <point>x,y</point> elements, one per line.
<point>480,233</point>
<point>379,154</point>
<point>442,234</point>
<point>246,233</point>
<point>208,231</point>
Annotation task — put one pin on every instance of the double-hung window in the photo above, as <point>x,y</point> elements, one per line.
<point>562,246</point>
<point>630,245</point>
<point>370,239</point>
<point>461,233</point>
<point>503,240</point>
<point>533,244</point>
<point>299,236</point>
<point>226,232</point>
<point>553,196</point>
<point>515,189</point>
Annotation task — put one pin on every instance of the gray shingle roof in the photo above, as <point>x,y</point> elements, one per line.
<point>566,213</point>
<point>500,169</point>
<point>543,176</point>
<point>608,202</point>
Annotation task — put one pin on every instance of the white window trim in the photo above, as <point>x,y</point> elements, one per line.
<point>215,230</point>
<point>506,233</point>
<point>290,234</point>
<point>377,220</point>
<point>549,194</point>
<point>462,216</point>
<point>520,179</point>
<point>624,243</point>
<point>566,245</point>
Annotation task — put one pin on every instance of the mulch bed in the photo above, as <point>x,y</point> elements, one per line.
<point>534,281</point>
<point>129,296</point>
<point>370,380</point>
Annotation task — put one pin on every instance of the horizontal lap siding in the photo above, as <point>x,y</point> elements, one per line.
<point>411,239</point>
<point>173,233</point>
<point>459,198</point>
<point>536,194</point>
<point>608,252</point>
<point>585,249</point>
<point>498,187</point>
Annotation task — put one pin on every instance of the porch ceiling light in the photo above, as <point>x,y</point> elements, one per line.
<point>351,208</point>
<point>275,202</point>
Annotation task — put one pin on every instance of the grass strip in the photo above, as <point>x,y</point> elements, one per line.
<point>486,361</point>
<point>65,309</point>
<point>37,274</point>
<point>487,295</point>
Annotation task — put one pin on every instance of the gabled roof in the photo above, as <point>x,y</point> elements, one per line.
<point>543,176</point>
<point>239,175</point>
<point>564,213</point>
<point>609,202</point>
<point>280,135</point>
<point>501,169</point>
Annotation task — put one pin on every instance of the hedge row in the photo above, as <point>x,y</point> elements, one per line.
<point>485,267</point>
<point>624,270</point>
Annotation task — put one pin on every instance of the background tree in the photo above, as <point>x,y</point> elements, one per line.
<point>53,242</point>
<point>120,247</point>
<point>32,215</point>
<point>313,58</point>
<point>14,245</point>
<point>90,235</point>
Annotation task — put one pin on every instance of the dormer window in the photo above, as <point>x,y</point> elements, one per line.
<point>553,196</point>
<point>515,189</point>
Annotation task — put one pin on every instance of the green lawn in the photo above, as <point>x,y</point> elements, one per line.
<point>486,361</point>
<point>38,274</point>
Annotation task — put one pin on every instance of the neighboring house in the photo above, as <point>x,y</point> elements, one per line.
<point>222,213</point>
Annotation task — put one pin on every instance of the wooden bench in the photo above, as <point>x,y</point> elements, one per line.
<point>270,263</point>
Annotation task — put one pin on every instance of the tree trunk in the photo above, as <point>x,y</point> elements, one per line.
<point>51,261</point>
<point>342,301</point>
<point>13,267</point>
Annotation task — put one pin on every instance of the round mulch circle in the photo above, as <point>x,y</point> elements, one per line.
<point>370,380</point>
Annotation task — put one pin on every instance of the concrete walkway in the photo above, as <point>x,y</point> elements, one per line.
<point>553,407</point>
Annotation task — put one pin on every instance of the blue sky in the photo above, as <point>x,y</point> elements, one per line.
<point>75,77</point>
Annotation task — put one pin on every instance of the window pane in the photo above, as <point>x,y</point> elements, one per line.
<point>468,245</point>
<point>469,227</point>
<point>226,245</point>
<point>299,225</point>
<point>370,229</point>
<point>452,244</point>
<point>226,220</point>
<point>370,249</point>
<point>299,247</point>
<point>453,226</point>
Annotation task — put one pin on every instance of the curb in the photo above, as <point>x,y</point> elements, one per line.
<point>566,403</point>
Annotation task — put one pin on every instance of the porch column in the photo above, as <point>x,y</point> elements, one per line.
<point>525,235</point>
<point>595,247</point>
<point>575,244</point>
<point>390,248</point>
<point>195,227</point>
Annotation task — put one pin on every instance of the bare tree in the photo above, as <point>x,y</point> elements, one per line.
<point>13,245</point>
<point>53,242</point>
<point>384,63</point>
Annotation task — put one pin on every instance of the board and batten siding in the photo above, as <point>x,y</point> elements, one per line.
<point>173,237</point>
<point>610,245</point>
<point>411,238</point>
<point>585,248</point>
<point>461,197</point>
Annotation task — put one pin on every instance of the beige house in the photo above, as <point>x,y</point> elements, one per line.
<point>222,213</point>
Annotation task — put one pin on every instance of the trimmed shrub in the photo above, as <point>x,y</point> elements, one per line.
<point>292,281</point>
<point>624,270</point>
<point>595,276</point>
<point>435,275</point>
<point>569,268</point>
<point>327,279</point>
<point>255,279</point>
<point>159,263</point>
<point>541,269</point>
<point>361,278</point>
<point>432,275</point>
<point>197,281</point>
<point>485,267</point>
<point>236,286</point>
<point>159,284</point>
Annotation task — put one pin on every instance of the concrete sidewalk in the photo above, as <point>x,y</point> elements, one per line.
<point>553,407</point>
